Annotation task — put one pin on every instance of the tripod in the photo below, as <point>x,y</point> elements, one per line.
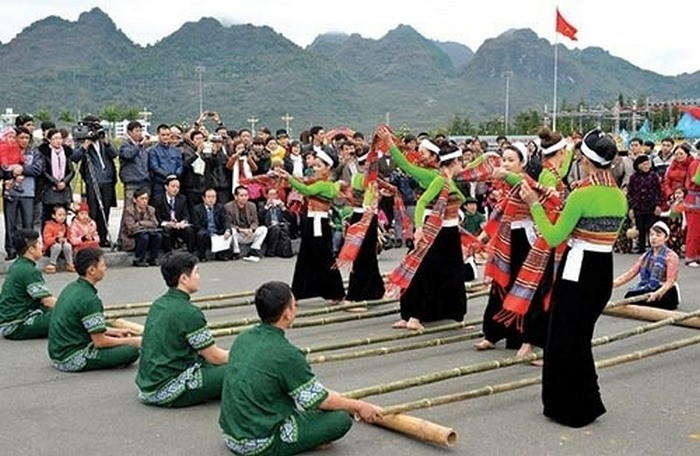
<point>98,196</point>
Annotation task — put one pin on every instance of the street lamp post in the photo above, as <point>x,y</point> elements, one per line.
<point>508,74</point>
<point>253,120</point>
<point>287,119</point>
<point>200,71</point>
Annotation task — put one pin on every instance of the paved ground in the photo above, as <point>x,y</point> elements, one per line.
<point>653,405</point>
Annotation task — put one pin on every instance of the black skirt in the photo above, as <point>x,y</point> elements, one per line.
<point>537,318</point>
<point>570,392</point>
<point>493,330</point>
<point>668,301</point>
<point>365,280</point>
<point>437,290</point>
<point>314,274</point>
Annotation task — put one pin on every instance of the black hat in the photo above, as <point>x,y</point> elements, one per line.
<point>281,132</point>
<point>599,148</point>
<point>639,160</point>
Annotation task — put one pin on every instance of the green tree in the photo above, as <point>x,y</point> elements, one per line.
<point>131,113</point>
<point>43,115</point>
<point>112,114</point>
<point>527,122</point>
<point>65,116</point>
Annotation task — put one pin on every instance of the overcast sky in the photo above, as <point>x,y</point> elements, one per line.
<point>658,36</point>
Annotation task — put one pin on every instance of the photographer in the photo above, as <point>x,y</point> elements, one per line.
<point>96,157</point>
<point>216,175</point>
<point>163,160</point>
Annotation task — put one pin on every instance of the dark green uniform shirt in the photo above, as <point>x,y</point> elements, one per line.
<point>22,292</point>
<point>174,334</point>
<point>267,379</point>
<point>472,222</point>
<point>78,313</point>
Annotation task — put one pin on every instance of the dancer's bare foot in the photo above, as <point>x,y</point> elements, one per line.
<point>537,362</point>
<point>524,350</point>
<point>484,345</point>
<point>401,324</point>
<point>414,324</point>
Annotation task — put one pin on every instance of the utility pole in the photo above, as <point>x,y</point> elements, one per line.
<point>200,71</point>
<point>508,74</point>
<point>287,119</point>
<point>253,120</point>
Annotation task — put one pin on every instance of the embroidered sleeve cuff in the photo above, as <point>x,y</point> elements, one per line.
<point>38,290</point>
<point>200,339</point>
<point>309,395</point>
<point>94,323</point>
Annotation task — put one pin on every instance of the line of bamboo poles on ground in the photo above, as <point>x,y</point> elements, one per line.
<point>440,435</point>
<point>395,418</point>
<point>209,301</point>
<point>484,366</point>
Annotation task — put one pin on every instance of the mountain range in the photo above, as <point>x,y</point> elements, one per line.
<point>249,70</point>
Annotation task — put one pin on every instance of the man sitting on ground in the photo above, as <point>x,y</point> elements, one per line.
<point>272,403</point>
<point>25,302</point>
<point>79,339</point>
<point>181,365</point>
<point>244,224</point>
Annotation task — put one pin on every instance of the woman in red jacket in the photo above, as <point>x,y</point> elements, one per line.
<point>677,171</point>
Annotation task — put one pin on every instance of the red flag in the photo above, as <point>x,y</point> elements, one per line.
<point>565,28</point>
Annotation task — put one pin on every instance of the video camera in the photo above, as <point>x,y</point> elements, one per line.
<point>88,130</point>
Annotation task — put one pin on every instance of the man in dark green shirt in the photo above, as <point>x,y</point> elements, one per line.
<point>79,339</point>
<point>181,364</point>
<point>272,403</point>
<point>25,302</point>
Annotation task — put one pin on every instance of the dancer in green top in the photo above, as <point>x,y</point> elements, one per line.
<point>314,274</point>
<point>25,302</point>
<point>272,403</point>
<point>590,221</point>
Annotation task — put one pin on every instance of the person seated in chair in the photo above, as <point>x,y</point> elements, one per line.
<point>209,219</point>
<point>244,224</point>
<point>277,218</point>
<point>173,216</point>
<point>140,229</point>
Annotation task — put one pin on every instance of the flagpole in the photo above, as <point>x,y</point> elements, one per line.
<point>556,71</point>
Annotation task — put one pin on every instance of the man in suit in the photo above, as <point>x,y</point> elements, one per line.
<point>173,216</point>
<point>210,218</point>
<point>244,225</point>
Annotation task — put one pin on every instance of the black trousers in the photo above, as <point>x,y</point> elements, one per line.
<point>107,196</point>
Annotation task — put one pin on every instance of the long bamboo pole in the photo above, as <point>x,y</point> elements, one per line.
<point>651,314</point>
<point>326,310</point>
<point>517,384</point>
<point>231,296</point>
<point>395,349</point>
<point>434,377</point>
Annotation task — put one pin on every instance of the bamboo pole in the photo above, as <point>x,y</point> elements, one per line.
<point>421,429</point>
<point>517,384</point>
<point>230,331</point>
<point>135,328</point>
<point>231,296</point>
<point>652,314</point>
<point>434,377</point>
<point>395,349</point>
<point>325,310</point>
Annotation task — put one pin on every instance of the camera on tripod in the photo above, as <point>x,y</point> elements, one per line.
<point>93,131</point>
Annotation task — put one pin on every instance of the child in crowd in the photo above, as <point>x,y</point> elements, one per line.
<point>55,238</point>
<point>658,271</point>
<point>83,230</point>
<point>11,159</point>
<point>675,219</point>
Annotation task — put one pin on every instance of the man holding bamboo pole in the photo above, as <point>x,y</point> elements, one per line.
<point>272,403</point>
<point>79,339</point>
<point>181,365</point>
